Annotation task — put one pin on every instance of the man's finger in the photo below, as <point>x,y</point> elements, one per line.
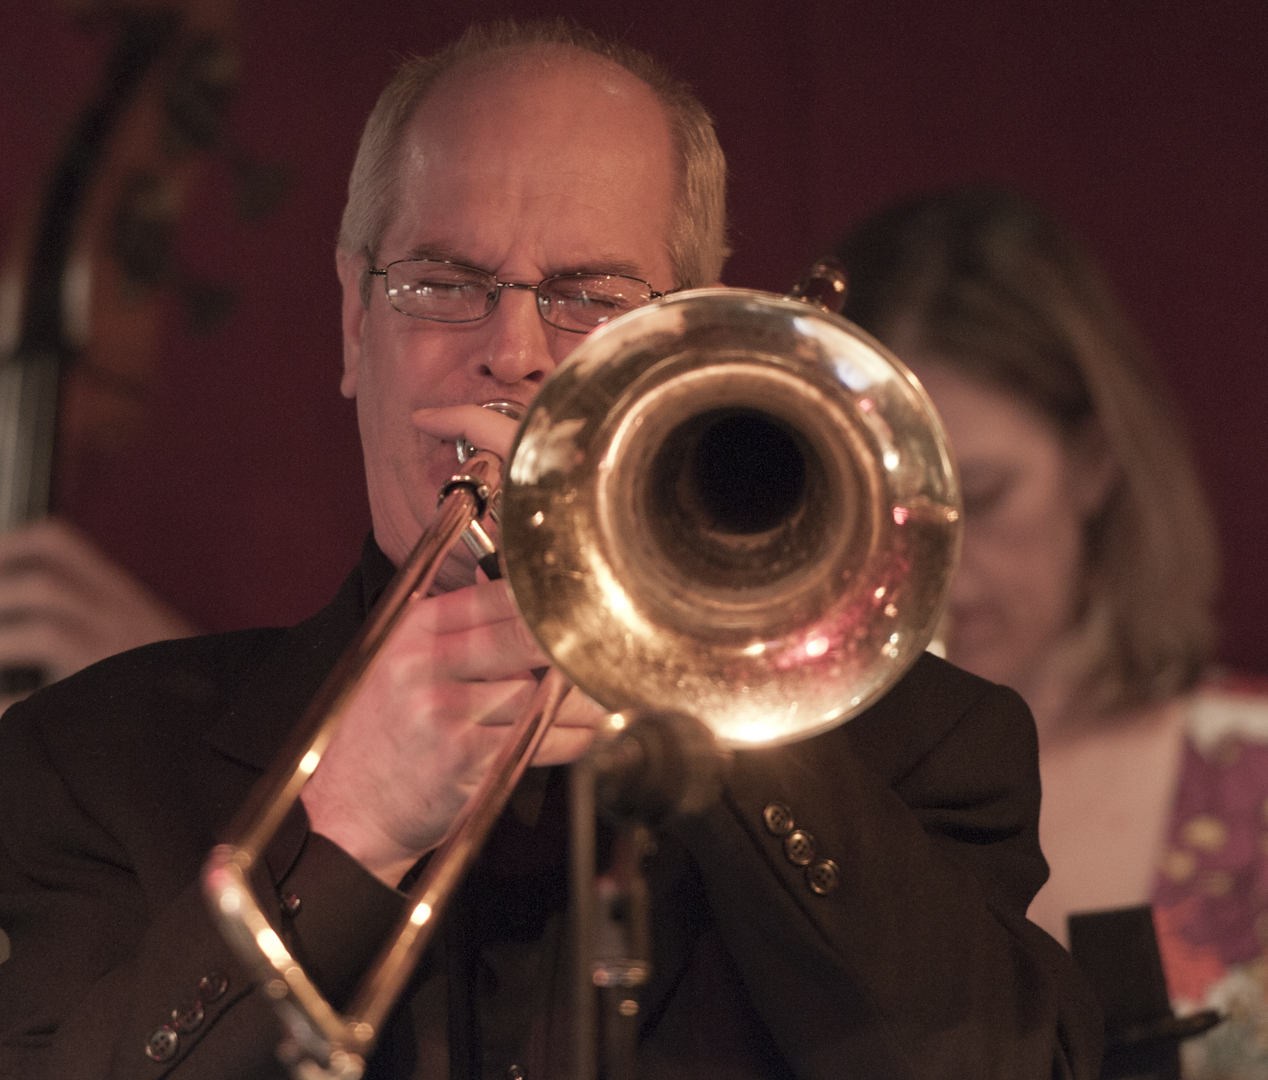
<point>500,650</point>
<point>563,745</point>
<point>483,428</point>
<point>576,712</point>
<point>454,706</point>
<point>463,609</point>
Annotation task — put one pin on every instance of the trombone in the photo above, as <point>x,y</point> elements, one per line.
<point>728,504</point>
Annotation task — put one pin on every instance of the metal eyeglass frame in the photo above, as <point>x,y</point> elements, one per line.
<point>543,301</point>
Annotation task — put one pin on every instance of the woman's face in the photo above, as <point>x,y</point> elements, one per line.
<point>1027,496</point>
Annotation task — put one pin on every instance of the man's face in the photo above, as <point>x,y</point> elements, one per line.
<point>542,163</point>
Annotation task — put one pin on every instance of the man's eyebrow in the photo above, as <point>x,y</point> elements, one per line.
<point>437,253</point>
<point>604,264</point>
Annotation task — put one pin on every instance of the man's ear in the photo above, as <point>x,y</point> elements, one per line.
<point>351,270</point>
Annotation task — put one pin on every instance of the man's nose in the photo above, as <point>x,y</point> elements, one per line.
<point>518,343</point>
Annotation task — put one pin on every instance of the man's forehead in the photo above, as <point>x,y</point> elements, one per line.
<point>559,94</point>
<point>526,67</point>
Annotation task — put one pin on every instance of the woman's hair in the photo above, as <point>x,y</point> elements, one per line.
<point>988,283</point>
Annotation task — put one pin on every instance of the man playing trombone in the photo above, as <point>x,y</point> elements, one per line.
<point>496,182</point>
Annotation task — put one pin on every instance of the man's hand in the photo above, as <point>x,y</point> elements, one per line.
<point>65,605</point>
<point>435,707</point>
<point>426,725</point>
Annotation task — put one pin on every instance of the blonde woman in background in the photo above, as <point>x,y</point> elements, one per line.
<point>1088,570</point>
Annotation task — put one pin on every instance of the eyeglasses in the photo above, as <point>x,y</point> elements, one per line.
<point>452,293</point>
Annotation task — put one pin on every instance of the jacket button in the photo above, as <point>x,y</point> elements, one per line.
<point>188,1016</point>
<point>162,1044</point>
<point>212,988</point>
<point>799,846</point>
<point>778,818</point>
<point>291,903</point>
<point>823,877</point>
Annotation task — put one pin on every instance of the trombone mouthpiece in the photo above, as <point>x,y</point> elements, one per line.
<point>513,409</point>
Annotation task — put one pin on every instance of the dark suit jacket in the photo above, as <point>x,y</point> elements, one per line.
<point>115,783</point>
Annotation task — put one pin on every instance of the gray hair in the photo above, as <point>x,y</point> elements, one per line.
<point>697,228</point>
<point>989,283</point>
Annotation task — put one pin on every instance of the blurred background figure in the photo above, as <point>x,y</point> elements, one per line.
<point>1086,581</point>
<point>65,605</point>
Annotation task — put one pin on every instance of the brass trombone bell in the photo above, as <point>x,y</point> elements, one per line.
<point>736,506</point>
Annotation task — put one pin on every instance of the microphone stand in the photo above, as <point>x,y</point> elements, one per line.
<point>613,938</point>
<point>583,916</point>
<point>641,769</point>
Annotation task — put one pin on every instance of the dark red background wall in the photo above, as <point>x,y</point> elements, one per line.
<point>1142,125</point>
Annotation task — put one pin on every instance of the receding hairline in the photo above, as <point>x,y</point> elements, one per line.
<point>534,56</point>
<point>544,60</point>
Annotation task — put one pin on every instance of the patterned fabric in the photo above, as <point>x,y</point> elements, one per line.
<point>1211,895</point>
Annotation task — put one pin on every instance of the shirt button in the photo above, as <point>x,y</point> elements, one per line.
<point>162,1044</point>
<point>823,877</point>
<point>212,988</point>
<point>799,846</point>
<point>188,1016</point>
<point>778,818</point>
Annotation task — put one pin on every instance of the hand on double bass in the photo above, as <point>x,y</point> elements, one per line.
<point>65,605</point>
